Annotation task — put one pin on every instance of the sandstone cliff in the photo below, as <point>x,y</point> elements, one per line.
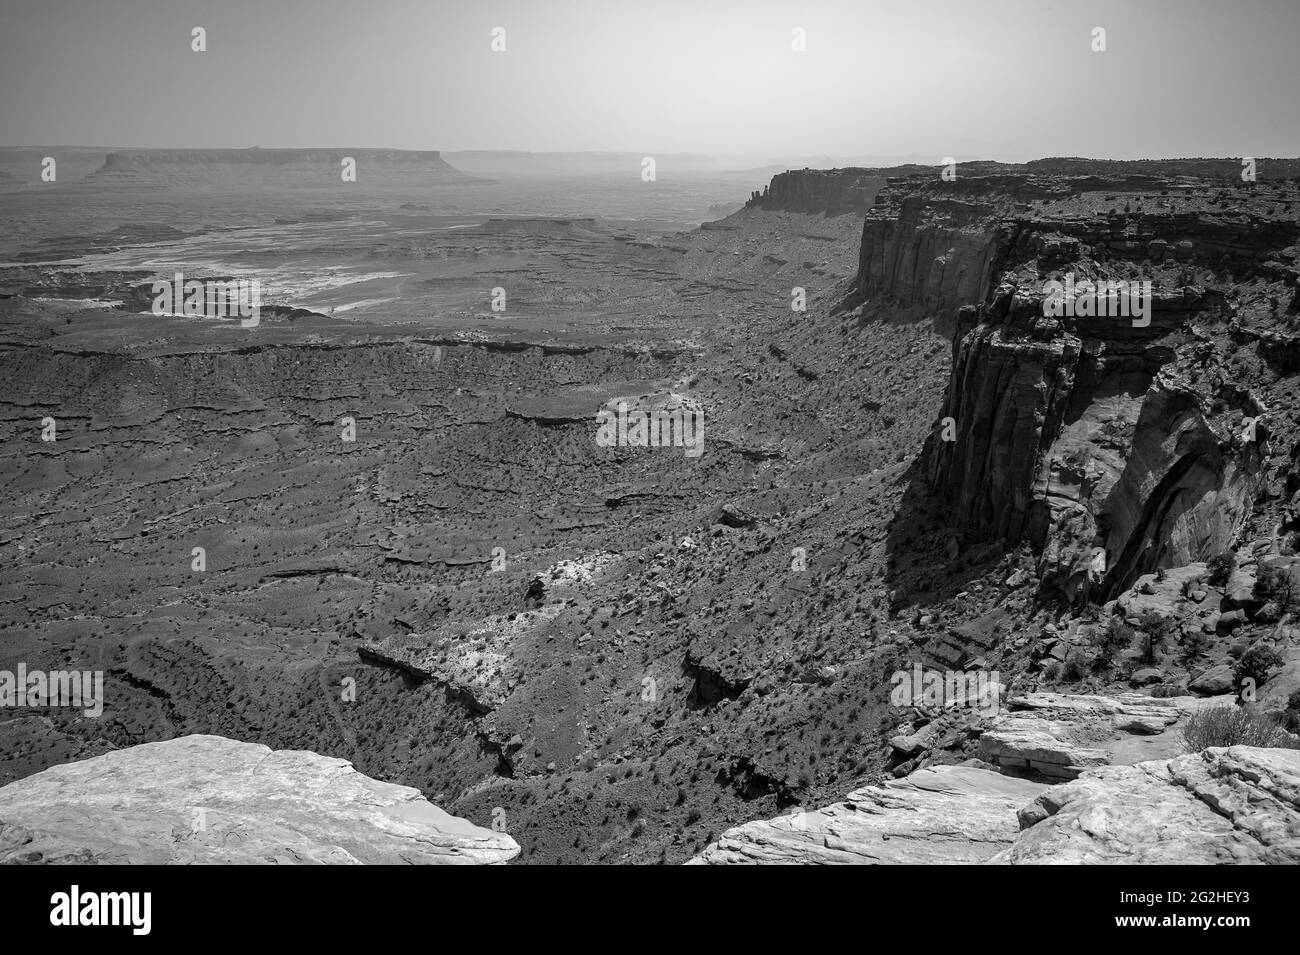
<point>834,192</point>
<point>1116,445</point>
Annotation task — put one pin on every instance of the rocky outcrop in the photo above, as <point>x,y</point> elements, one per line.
<point>1059,736</point>
<point>1238,805</point>
<point>1181,594</point>
<point>1136,799</point>
<point>941,815</point>
<point>207,799</point>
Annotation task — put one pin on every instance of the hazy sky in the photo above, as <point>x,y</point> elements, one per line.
<point>1004,79</point>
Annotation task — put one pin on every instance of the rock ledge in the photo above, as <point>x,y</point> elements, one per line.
<point>207,799</point>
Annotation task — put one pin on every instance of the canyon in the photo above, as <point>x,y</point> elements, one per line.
<point>628,654</point>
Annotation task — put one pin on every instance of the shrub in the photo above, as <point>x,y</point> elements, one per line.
<point>1220,568</point>
<point>1291,716</point>
<point>1114,637</point>
<point>1195,642</point>
<point>1075,667</point>
<point>1155,631</point>
<point>1229,725</point>
<point>1274,584</point>
<point>1256,664</point>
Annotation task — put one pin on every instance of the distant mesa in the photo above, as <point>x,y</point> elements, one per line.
<point>242,169</point>
<point>23,165</point>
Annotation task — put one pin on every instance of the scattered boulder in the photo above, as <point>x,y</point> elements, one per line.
<point>959,646</point>
<point>1038,745</point>
<point>1271,612</point>
<point>908,745</point>
<point>733,514</point>
<point>536,593</point>
<point>1140,725</point>
<point>1146,676</point>
<point>1230,620</point>
<point>1214,681</point>
<point>1240,590</point>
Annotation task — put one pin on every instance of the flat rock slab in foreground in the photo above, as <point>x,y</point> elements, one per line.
<point>1239,804</point>
<point>207,799</point>
<point>943,814</point>
<point>1060,735</point>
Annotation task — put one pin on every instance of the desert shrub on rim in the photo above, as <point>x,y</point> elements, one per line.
<point>1231,725</point>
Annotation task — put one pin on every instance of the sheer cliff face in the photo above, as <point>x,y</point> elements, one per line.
<point>833,192</point>
<point>1101,449</point>
<point>1115,444</point>
<point>930,251</point>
